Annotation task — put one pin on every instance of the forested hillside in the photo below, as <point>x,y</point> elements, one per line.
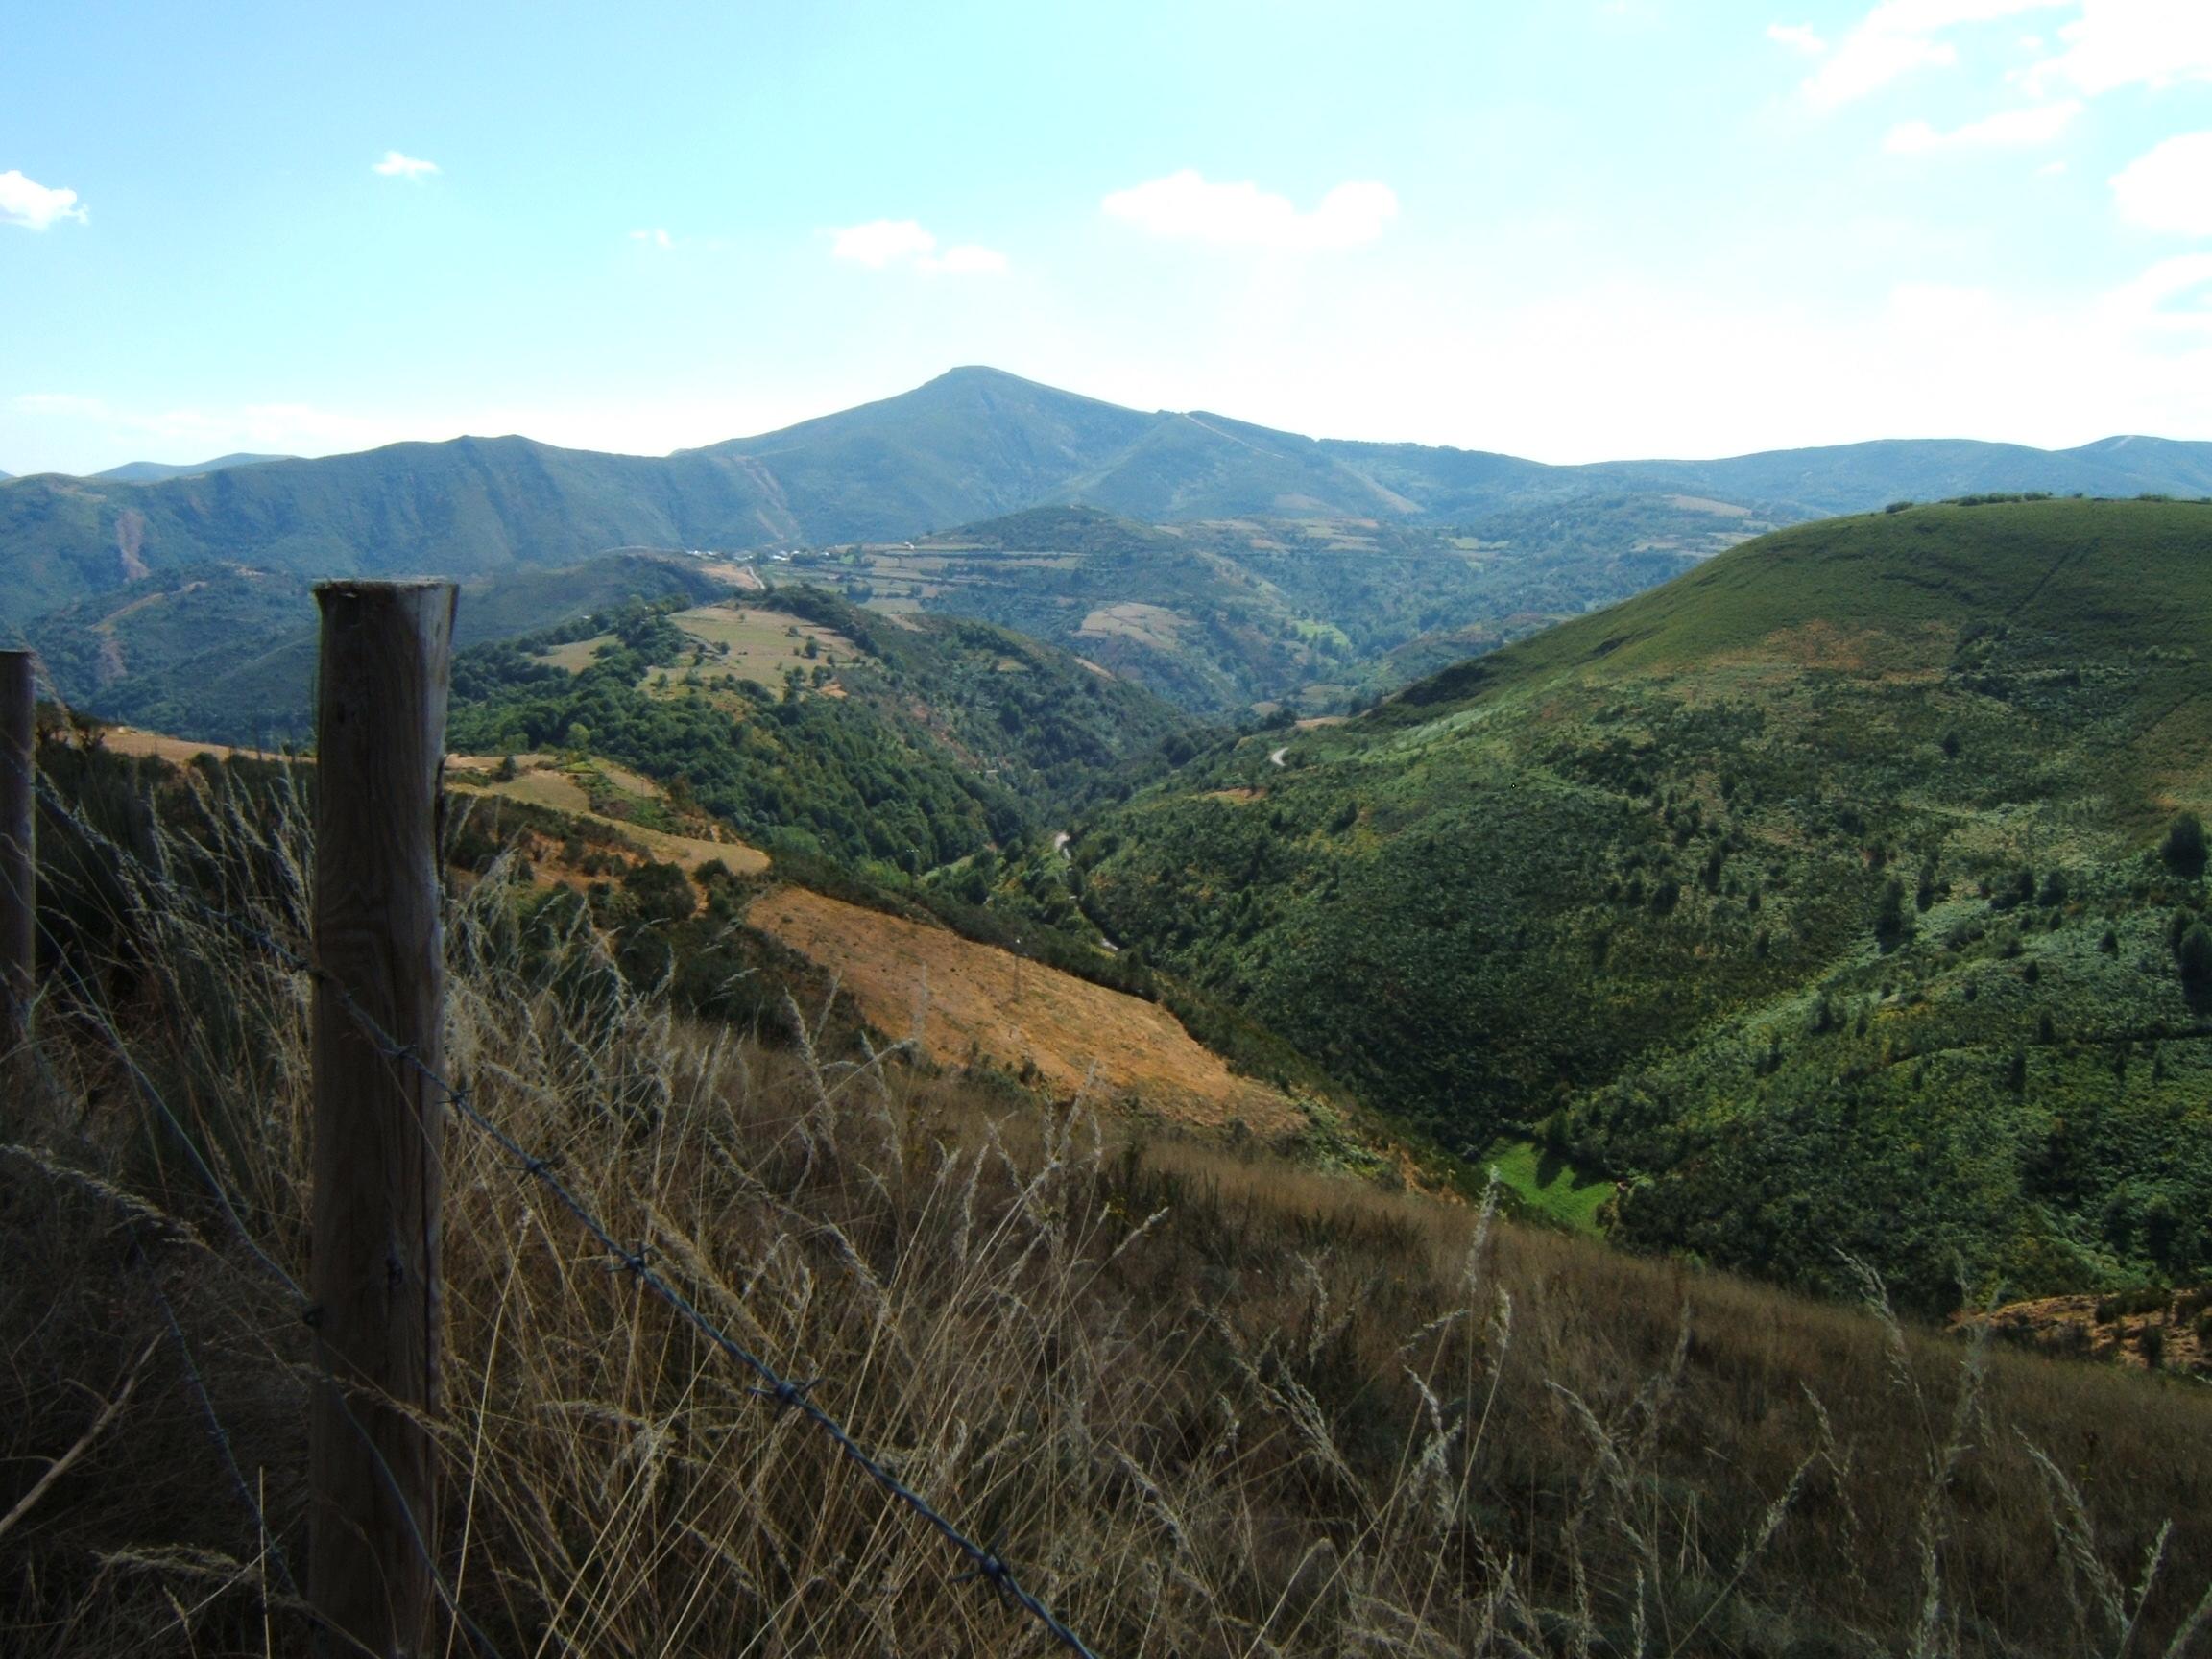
<point>1844,894</point>
<point>1221,615</point>
<point>814,727</point>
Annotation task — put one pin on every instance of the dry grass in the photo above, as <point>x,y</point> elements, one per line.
<point>962,1002</point>
<point>1209,1404</point>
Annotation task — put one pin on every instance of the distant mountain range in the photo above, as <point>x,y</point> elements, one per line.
<point>969,446</point>
<point>154,471</point>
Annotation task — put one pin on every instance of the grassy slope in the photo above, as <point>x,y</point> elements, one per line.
<point>1202,1401</point>
<point>1621,880</point>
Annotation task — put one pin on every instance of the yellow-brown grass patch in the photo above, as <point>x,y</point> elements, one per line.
<point>1150,625</point>
<point>129,740</point>
<point>964,1002</point>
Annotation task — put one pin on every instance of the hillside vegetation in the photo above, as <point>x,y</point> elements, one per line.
<point>1219,615</point>
<point>1841,895</point>
<point>1205,1403</point>
<point>226,653</point>
<point>810,726</point>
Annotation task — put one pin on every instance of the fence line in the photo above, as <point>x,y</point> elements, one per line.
<point>303,1306</point>
<point>986,1565</point>
<point>221,1435</point>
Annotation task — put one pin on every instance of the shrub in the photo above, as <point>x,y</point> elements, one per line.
<point>2194,958</point>
<point>2183,848</point>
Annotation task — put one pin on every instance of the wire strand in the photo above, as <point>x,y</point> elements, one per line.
<point>987,1564</point>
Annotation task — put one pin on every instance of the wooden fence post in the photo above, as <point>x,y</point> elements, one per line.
<point>19,870</point>
<point>380,744</point>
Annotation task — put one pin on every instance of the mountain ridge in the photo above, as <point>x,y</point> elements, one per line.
<point>970,445</point>
<point>154,472</point>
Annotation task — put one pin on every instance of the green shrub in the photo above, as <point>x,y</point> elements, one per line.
<point>2183,848</point>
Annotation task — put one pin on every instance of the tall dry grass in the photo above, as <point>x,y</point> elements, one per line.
<point>1206,1404</point>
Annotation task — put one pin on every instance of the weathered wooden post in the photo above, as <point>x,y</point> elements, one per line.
<point>19,870</point>
<point>380,743</point>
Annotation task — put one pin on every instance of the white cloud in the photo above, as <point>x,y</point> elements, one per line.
<point>2169,188</point>
<point>1184,206</point>
<point>2038,124</point>
<point>2147,302</point>
<point>653,238</point>
<point>2128,43</point>
<point>885,242</point>
<point>32,206</point>
<point>1898,36</point>
<point>398,166</point>
<point>1797,37</point>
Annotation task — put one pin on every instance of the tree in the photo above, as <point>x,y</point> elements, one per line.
<point>662,892</point>
<point>1890,917</point>
<point>2196,962</point>
<point>2184,847</point>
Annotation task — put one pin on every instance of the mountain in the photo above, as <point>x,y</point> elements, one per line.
<point>1829,897</point>
<point>972,444</point>
<point>154,471</point>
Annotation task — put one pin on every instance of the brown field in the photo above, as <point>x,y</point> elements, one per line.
<point>576,655</point>
<point>964,1002</point>
<point>1146,624</point>
<point>760,644</point>
<point>1703,504</point>
<point>129,740</point>
<point>539,783</point>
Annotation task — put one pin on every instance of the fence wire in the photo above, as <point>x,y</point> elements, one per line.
<point>144,1086</point>
<point>986,1565</point>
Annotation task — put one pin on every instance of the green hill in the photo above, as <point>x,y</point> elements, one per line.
<point>1817,896</point>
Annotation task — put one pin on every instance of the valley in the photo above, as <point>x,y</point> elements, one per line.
<point>1832,913</point>
<point>1818,896</point>
<point>1159,832</point>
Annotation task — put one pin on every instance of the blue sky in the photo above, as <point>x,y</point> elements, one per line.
<point>1571,230</point>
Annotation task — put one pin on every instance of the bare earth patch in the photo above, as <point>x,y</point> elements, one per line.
<point>2168,1330</point>
<point>965,1002</point>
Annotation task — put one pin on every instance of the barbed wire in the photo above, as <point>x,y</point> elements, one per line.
<point>986,1563</point>
<point>104,1022</point>
<point>218,1433</point>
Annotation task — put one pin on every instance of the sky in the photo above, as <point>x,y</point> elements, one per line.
<point>1573,230</point>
